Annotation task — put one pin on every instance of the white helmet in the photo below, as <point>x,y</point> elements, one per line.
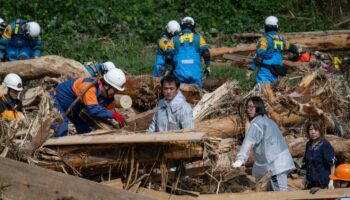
<point>116,78</point>
<point>188,20</point>
<point>108,66</point>
<point>1,20</point>
<point>33,29</point>
<point>13,81</point>
<point>271,21</point>
<point>173,27</point>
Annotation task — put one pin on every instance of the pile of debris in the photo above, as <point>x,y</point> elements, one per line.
<point>190,163</point>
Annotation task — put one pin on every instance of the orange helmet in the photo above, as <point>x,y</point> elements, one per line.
<point>342,172</point>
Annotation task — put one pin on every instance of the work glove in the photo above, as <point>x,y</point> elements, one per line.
<point>207,71</point>
<point>330,184</point>
<point>303,183</point>
<point>237,164</point>
<point>119,118</point>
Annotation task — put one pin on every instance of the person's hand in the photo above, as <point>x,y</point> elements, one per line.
<point>237,164</point>
<point>248,74</point>
<point>120,118</point>
<point>330,184</point>
<point>303,184</point>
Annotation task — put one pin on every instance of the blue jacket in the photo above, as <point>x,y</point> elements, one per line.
<point>94,70</point>
<point>270,49</point>
<point>187,49</point>
<point>318,162</point>
<point>14,37</point>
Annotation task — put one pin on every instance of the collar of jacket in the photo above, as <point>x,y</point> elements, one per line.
<point>175,103</point>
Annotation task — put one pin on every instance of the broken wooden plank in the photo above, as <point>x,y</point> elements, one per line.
<point>44,66</point>
<point>299,194</point>
<point>30,182</point>
<point>126,139</point>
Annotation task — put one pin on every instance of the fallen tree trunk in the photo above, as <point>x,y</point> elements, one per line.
<point>44,66</point>
<point>145,91</point>
<point>23,181</point>
<point>322,41</point>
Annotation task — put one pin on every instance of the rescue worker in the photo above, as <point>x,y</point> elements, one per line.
<point>9,103</point>
<point>99,68</point>
<point>173,112</point>
<point>319,158</point>
<point>341,176</point>
<point>269,54</point>
<point>3,25</point>
<point>270,148</point>
<point>185,50</point>
<point>98,100</point>
<point>172,29</point>
<point>21,40</point>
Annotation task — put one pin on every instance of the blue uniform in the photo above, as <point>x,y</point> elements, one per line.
<point>92,101</point>
<point>318,162</point>
<point>160,65</point>
<point>16,45</point>
<point>187,49</point>
<point>270,49</point>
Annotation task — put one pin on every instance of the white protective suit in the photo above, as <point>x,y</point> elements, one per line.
<point>172,115</point>
<point>270,148</point>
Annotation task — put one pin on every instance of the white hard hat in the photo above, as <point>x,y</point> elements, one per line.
<point>1,20</point>
<point>271,21</point>
<point>116,78</point>
<point>13,81</point>
<point>108,66</point>
<point>173,27</point>
<point>188,20</point>
<point>33,29</point>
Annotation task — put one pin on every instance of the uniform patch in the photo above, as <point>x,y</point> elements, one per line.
<point>165,41</point>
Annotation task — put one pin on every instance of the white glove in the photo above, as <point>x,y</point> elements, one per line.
<point>237,163</point>
<point>330,184</point>
<point>303,184</point>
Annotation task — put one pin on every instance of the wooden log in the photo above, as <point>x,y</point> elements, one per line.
<point>123,101</point>
<point>226,127</point>
<point>299,194</point>
<point>162,137</point>
<point>44,66</point>
<point>145,91</point>
<point>140,122</point>
<point>322,41</point>
<point>25,181</point>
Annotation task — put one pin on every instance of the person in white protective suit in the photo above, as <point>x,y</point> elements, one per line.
<point>270,148</point>
<point>172,112</point>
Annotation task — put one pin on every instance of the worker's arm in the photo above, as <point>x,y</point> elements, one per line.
<point>260,53</point>
<point>152,126</point>
<point>36,46</point>
<point>291,47</point>
<point>204,50</point>
<point>254,136</point>
<point>187,117</point>
<point>90,101</point>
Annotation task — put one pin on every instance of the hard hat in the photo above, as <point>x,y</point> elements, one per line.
<point>342,172</point>
<point>173,27</point>
<point>13,81</point>
<point>1,20</point>
<point>189,21</point>
<point>3,24</point>
<point>116,78</point>
<point>33,29</point>
<point>108,66</point>
<point>271,21</point>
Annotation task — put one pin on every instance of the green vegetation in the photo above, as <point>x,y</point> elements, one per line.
<point>125,31</point>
